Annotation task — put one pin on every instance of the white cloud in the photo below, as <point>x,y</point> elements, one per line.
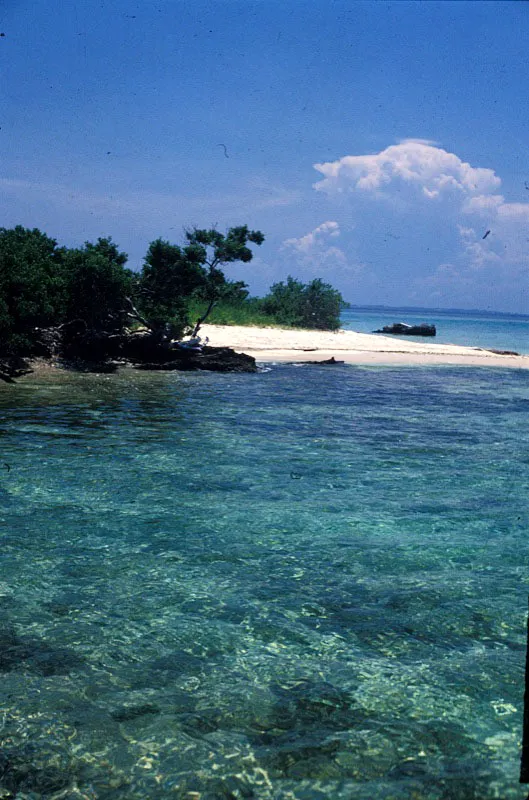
<point>315,254</point>
<point>508,224</point>
<point>418,177</point>
<point>414,162</point>
<point>477,250</point>
<point>306,244</point>
<point>514,211</point>
<point>419,141</point>
<point>483,203</point>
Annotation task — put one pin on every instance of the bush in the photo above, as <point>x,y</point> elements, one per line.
<point>97,285</point>
<point>313,305</point>
<point>31,287</point>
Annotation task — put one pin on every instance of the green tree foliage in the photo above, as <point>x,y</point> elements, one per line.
<point>312,305</point>
<point>214,250</point>
<point>88,291</point>
<point>170,275</point>
<point>31,286</point>
<point>97,286</point>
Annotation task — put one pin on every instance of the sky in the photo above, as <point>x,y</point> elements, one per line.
<point>380,146</point>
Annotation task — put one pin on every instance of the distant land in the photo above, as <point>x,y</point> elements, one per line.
<point>421,309</point>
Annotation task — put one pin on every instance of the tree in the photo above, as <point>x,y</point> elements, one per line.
<point>313,305</point>
<point>323,304</point>
<point>213,250</point>
<point>32,290</point>
<point>97,285</point>
<point>170,275</point>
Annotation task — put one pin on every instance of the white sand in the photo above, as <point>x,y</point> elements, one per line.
<point>278,344</point>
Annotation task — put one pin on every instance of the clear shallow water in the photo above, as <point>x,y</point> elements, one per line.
<point>472,329</point>
<point>306,583</point>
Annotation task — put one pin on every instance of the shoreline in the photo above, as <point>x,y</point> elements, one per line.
<point>297,346</point>
<point>282,345</point>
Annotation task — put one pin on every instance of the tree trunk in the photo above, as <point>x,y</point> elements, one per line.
<point>201,320</point>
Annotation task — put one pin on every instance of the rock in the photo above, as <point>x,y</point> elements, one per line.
<point>86,350</point>
<point>47,342</point>
<point>224,359</point>
<point>503,352</point>
<point>211,359</point>
<point>13,367</point>
<point>90,346</point>
<point>330,360</point>
<point>97,352</point>
<point>403,329</point>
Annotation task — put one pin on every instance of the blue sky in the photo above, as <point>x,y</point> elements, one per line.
<point>373,143</point>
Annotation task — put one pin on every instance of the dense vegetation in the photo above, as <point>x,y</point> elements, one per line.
<point>90,291</point>
<point>312,305</point>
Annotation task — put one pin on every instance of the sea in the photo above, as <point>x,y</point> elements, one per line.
<point>469,328</point>
<point>308,583</point>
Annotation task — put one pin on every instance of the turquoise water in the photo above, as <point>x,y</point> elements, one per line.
<point>473,329</point>
<point>305,583</point>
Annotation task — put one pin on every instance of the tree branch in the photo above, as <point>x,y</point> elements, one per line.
<point>135,314</point>
<point>203,318</point>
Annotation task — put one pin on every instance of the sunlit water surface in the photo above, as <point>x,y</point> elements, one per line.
<point>305,583</point>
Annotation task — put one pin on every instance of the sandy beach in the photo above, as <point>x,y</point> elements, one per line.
<point>280,345</point>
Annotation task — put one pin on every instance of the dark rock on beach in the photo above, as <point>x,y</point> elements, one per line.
<point>403,329</point>
<point>331,360</point>
<point>147,351</point>
<point>502,352</point>
<point>13,367</point>
<point>211,359</point>
<point>77,348</point>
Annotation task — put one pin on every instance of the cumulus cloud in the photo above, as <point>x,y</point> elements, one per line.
<point>483,204</point>
<point>419,141</point>
<point>420,177</point>
<point>431,169</point>
<point>306,244</point>
<point>508,223</point>
<point>316,253</point>
<point>478,251</point>
<point>514,211</point>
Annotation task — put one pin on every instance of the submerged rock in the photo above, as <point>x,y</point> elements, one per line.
<point>34,655</point>
<point>32,771</point>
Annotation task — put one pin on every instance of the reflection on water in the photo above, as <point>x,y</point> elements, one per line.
<point>300,584</point>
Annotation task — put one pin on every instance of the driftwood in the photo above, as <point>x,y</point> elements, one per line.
<point>11,368</point>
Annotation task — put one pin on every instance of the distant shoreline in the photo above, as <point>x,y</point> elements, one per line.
<point>459,312</point>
